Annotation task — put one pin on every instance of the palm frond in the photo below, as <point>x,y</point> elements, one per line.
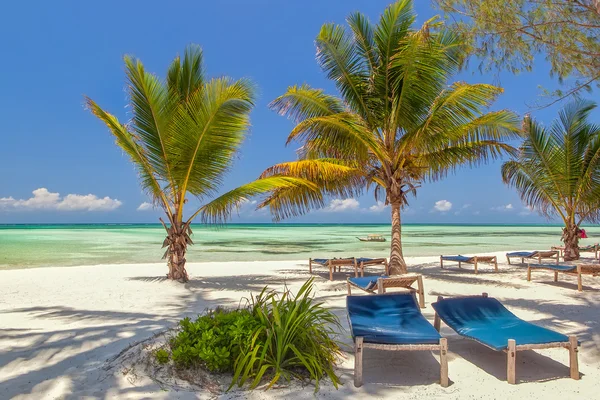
<point>127,142</point>
<point>342,133</point>
<point>333,177</point>
<point>220,209</point>
<point>364,38</point>
<point>152,110</point>
<point>337,56</point>
<point>184,78</point>
<point>206,132</point>
<point>303,102</point>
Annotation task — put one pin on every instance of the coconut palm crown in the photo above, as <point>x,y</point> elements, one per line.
<point>182,138</point>
<point>557,170</point>
<point>396,123</point>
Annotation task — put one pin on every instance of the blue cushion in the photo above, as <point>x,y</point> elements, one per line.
<point>487,321</point>
<point>322,261</point>
<point>366,283</point>
<point>457,258</point>
<point>564,268</point>
<point>363,259</point>
<point>524,254</point>
<point>389,319</point>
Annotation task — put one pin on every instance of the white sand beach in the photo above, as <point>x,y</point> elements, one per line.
<point>62,329</point>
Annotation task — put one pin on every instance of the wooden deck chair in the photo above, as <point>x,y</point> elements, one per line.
<point>333,264</point>
<point>576,270</point>
<point>475,260</point>
<point>593,248</point>
<point>486,321</point>
<point>392,321</point>
<point>379,284</point>
<point>536,255</point>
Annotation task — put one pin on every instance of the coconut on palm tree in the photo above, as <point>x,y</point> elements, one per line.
<point>397,121</point>
<point>557,170</point>
<point>182,137</point>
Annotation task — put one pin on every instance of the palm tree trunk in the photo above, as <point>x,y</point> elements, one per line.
<point>397,265</point>
<point>177,240</point>
<point>571,240</point>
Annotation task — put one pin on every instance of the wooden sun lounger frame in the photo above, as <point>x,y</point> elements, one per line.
<point>360,345</point>
<point>349,262</point>
<point>539,256</point>
<point>586,249</point>
<point>582,269</point>
<point>474,260</point>
<point>397,281</point>
<point>511,352</point>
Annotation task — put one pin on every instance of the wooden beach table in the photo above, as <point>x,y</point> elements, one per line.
<point>392,321</point>
<point>486,321</point>
<point>379,284</point>
<point>537,255</point>
<point>574,270</point>
<point>470,260</point>
<point>356,263</point>
<point>593,248</point>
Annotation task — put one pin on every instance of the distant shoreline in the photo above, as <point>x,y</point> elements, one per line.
<point>268,224</point>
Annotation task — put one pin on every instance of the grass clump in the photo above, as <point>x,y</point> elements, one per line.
<point>275,336</point>
<point>162,356</point>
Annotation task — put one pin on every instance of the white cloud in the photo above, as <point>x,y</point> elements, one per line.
<point>379,207</point>
<point>476,212</point>
<point>145,206</point>
<point>45,200</point>
<point>339,205</point>
<point>528,210</point>
<point>466,206</point>
<point>508,207</point>
<point>442,206</point>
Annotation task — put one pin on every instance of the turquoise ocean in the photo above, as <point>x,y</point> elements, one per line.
<point>27,246</point>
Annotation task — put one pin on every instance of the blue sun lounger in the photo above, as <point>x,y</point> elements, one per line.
<point>356,263</point>
<point>475,260</point>
<point>392,322</point>
<point>486,321</point>
<point>537,255</point>
<point>379,284</point>
<point>577,270</point>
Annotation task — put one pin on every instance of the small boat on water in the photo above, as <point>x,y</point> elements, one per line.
<point>372,238</point>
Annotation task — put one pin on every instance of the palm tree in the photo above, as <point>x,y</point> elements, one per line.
<point>182,138</point>
<point>397,122</point>
<point>557,170</point>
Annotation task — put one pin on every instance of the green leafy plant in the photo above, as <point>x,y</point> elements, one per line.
<point>162,356</point>
<point>274,336</point>
<point>295,338</point>
<point>214,340</point>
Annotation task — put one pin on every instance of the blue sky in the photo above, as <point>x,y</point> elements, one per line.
<point>56,52</point>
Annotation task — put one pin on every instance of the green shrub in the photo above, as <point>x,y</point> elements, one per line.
<point>214,340</point>
<point>294,338</point>
<point>162,356</point>
<point>274,337</point>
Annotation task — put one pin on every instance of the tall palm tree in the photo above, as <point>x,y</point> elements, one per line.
<point>397,122</point>
<point>182,138</point>
<point>557,170</point>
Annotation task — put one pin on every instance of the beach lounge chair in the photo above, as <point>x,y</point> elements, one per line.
<point>593,248</point>
<point>486,321</point>
<point>576,270</point>
<point>379,284</point>
<point>537,255</point>
<point>358,264</point>
<point>392,321</point>
<point>470,260</point>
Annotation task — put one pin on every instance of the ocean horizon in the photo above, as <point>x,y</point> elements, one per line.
<point>40,245</point>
